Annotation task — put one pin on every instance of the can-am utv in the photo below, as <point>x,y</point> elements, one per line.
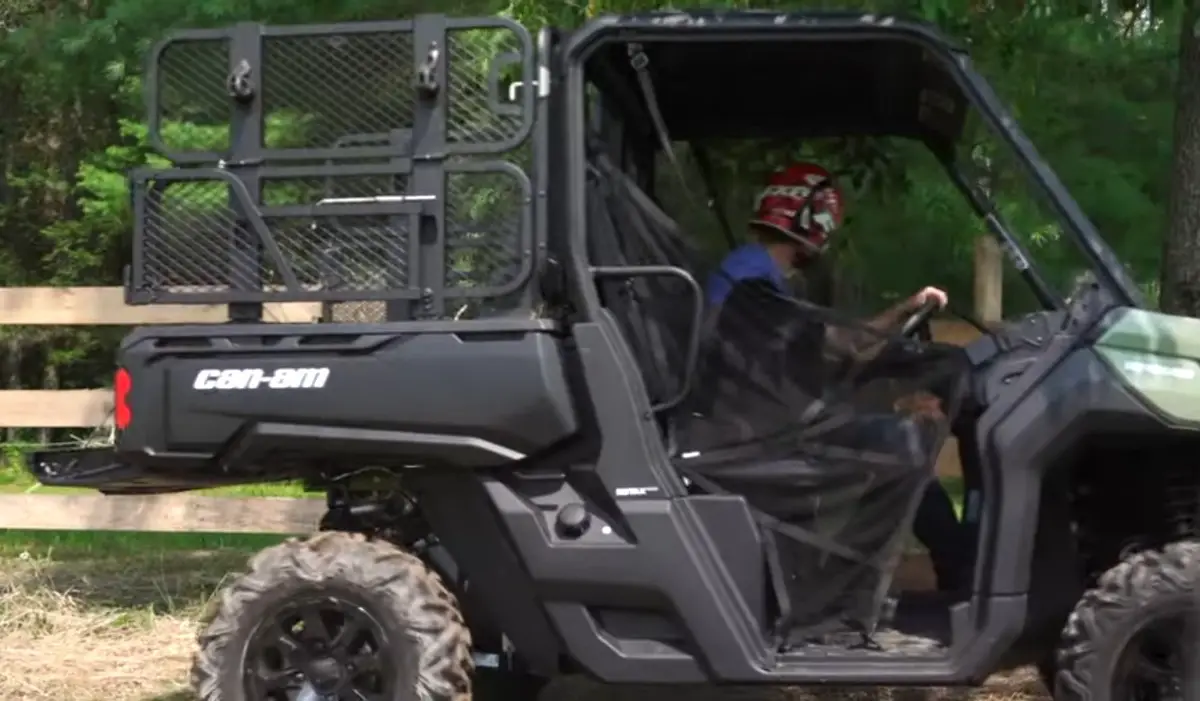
<point>534,457</point>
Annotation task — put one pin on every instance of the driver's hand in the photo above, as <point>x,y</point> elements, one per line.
<point>926,295</point>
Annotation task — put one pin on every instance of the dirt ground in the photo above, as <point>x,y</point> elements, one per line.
<point>123,630</point>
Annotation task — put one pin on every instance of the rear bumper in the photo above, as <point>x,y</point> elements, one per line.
<point>112,472</point>
<point>75,467</point>
<point>95,468</point>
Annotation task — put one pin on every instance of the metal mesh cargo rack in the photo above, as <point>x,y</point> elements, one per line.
<point>256,92</point>
<point>357,163</point>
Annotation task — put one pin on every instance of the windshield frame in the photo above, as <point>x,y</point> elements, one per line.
<point>1111,273</point>
<point>829,27</point>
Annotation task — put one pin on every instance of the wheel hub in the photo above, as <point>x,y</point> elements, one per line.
<point>318,648</point>
<point>326,674</point>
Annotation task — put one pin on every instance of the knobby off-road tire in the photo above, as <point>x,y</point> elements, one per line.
<point>400,592</point>
<point>1098,630</point>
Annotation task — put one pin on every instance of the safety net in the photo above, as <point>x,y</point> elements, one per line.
<point>830,429</point>
<point>827,426</point>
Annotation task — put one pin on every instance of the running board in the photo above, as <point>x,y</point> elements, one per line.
<point>967,664</point>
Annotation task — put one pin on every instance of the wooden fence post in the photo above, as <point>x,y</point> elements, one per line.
<point>13,348</point>
<point>49,382</point>
<point>989,280</point>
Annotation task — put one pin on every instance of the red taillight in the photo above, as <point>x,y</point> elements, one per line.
<point>122,383</point>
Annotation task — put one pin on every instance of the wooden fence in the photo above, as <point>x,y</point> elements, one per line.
<point>96,306</point>
<point>89,408</point>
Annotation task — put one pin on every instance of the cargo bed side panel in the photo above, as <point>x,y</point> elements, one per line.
<point>199,391</point>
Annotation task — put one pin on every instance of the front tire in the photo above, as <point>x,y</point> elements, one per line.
<point>338,616</point>
<point>1130,636</point>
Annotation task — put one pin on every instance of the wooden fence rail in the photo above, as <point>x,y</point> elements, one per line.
<point>87,408</point>
<point>166,513</point>
<point>97,306</point>
<point>105,306</point>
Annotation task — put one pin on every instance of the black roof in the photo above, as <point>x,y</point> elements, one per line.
<point>750,74</point>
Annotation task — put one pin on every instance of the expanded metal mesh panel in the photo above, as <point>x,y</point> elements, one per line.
<point>188,240</point>
<point>310,88</point>
<point>312,190</point>
<point>193,104</point>
<point>357,312</point>
<point>342,163</point>
<point>191,237</point>
<point>318,89</point>
<point>354,253</point>
<point>481,106</point>
<point>198,234</point>
<point>486,251</point>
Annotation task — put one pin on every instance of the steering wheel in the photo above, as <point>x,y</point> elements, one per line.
<point>919,319</point>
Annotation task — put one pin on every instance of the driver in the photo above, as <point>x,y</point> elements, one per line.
<point>797,213</point>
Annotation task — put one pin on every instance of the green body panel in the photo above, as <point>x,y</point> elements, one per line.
<point>1157,356</point>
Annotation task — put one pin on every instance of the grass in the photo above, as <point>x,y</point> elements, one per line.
<point>15,479</point>
<point>101,545</point>
<point>94,617</point>
<point>84,622</point>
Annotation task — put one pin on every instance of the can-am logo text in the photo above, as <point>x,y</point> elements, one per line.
<point>253,378</point>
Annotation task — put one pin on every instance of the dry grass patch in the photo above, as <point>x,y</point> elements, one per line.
<point>105,628</point>
<point>102,630</point>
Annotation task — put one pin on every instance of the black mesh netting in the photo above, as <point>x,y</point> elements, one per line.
<point>828,427</point>
<point>831,431</point>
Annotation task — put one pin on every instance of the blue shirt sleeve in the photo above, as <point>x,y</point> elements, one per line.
<point>748,262</point>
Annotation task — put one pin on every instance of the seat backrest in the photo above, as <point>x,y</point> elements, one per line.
<point>626,227</point>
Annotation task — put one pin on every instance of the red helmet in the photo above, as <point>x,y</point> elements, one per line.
<point>802,202</point>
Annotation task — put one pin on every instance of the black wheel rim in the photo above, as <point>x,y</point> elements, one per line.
<point>320,648</point>
<point>1154,662</point>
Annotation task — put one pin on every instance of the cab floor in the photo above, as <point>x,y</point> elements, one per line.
<point>919,627</point>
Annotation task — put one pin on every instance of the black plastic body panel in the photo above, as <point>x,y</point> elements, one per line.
<point>470,394</point>
<point>666,587</point>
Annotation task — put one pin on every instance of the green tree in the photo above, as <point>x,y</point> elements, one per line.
<point>1181,248</point>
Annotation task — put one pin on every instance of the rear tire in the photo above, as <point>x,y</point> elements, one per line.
<point>1149,588</point>
<point>380,621</point>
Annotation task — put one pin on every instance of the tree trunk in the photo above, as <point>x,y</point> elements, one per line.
<point>1181,248</point>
